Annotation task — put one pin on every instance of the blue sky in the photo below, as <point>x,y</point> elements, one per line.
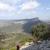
<point>22,9</point>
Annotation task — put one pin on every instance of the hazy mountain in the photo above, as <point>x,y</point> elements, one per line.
<point>23,25</point>
<point>28,26</point>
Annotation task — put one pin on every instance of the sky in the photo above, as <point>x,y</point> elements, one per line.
<point>24,9</point>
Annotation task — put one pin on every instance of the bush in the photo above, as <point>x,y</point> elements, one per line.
<point>40,31</point>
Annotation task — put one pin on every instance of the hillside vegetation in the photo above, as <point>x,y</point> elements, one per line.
<point>9,41</point>
<point>40,31</point>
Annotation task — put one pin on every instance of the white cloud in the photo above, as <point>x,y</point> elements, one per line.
<point>6,7</point>
<point>7,10</point>
<point>29,5</point>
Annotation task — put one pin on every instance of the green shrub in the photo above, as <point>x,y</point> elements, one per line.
<point>40,31</point>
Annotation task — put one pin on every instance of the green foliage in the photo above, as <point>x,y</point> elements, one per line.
<point>25,39</point>
<point>40,31</point>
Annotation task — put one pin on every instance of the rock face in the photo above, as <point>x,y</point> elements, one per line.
<point>45,45</point>
<point>28,25</point>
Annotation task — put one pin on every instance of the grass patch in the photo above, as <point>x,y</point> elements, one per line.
<point>24,40</point>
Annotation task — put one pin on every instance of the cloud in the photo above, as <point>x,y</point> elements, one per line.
<point>29,5</point>
<point>7,11</point>
<point>6,7</point>
<point>17,8</point>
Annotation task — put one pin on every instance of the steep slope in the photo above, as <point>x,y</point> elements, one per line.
<point>28,26</point>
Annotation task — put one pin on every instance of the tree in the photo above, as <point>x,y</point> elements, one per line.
<point>40,31</point>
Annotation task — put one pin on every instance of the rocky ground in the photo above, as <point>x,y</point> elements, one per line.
<point>44,45</point>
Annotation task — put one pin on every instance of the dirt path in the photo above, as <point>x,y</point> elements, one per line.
<point>26,45</point>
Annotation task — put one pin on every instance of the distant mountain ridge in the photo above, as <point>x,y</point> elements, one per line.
<point>18,25</point>
<point>19,20</point>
